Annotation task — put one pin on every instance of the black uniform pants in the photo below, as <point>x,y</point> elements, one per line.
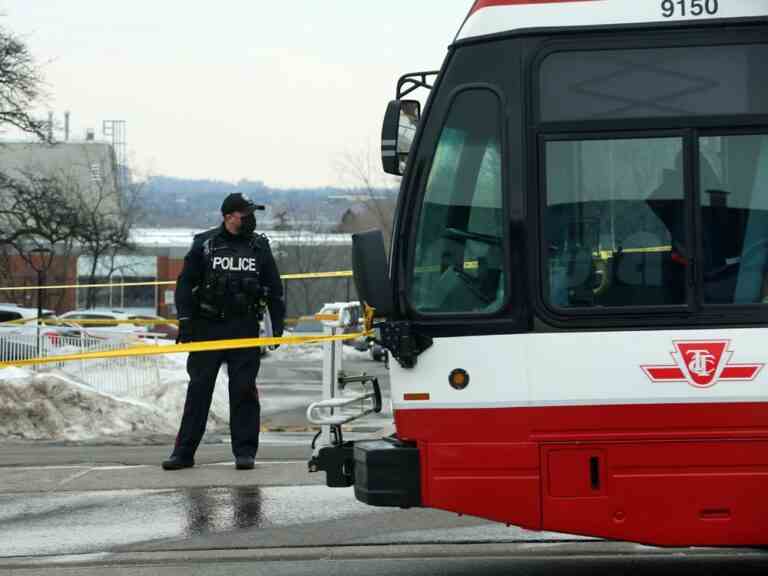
<point>203,367</point>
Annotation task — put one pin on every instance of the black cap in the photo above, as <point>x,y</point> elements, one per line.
<point>238,202</point>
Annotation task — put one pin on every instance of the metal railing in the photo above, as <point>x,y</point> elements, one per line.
<point>116,376</point>
<point>338,406</point>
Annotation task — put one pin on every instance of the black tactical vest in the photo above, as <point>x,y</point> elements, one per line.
<point>231,285</point>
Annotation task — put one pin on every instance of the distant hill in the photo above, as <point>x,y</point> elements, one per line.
<point>177,202</point>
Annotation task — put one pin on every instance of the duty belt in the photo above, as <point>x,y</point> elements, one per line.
<point>211,312</point>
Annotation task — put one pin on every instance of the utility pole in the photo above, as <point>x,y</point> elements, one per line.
<point>40,269</point>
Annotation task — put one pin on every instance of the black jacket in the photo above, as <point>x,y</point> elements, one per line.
<point>197,262</point>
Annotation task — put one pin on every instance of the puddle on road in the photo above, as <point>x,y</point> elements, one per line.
<point>76,523</point>
<point>224,509</point>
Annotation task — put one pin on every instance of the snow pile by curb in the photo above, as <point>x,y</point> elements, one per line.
<point>52,406</point>
<point>49,406</point>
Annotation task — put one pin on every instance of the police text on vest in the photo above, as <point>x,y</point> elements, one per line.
<point>231,264</point>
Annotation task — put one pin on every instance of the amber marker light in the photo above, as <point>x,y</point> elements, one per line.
<point>458,379</point>
<point>416,396</point>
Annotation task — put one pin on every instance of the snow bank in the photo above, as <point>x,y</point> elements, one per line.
<point>48,406</point>
<point>52,406</point>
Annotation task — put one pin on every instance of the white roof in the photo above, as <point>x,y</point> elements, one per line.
<point>494,16</point>
<point>182,237</point>
<point>111,312</point>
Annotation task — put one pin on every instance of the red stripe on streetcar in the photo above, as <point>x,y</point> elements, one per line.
<point>665,373</point>
<point>747,372</point>
<point>674,374</point>
<point>480,4</point>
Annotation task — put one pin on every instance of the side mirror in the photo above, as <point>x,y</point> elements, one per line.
<point>397,134</point>
<point>369,265</point>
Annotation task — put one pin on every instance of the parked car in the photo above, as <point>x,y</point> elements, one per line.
<point>311,326</point>
<point>18,332</point>
<point>352,317</point>
<point>10,312</point>
<point>107,325</point>
<point>308,326</point>
<point>161,326</point>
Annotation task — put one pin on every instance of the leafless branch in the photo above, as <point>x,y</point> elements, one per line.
<point>20,86</point>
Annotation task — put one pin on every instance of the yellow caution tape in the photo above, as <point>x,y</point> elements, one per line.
<point>109,322</point>
<point>44,321</point>
<point>370,314</point>
<point>208,345</point>
<point>48,321</point>
<point>326,317</point>
<point>53,321</point>
<point>69,286</point>
<point>340,274</point>
<point>301,276</point>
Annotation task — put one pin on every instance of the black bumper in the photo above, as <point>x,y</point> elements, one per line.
<point>384,472</point>
<point>387,473</point>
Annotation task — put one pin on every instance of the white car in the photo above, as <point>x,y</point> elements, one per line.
<point>156,326</point>
<point>18,332</point>
<point>11,312</point>
<point>104,323</point>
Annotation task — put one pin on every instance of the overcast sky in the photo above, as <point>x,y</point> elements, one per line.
<point>234,89</point>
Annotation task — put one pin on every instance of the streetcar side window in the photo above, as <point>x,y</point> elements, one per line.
<point>458,264</point>
<point>614,223</point>
<point>654,82</point>
<point>733,198</point>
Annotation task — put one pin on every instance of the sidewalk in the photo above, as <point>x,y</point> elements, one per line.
<point>29,467</point>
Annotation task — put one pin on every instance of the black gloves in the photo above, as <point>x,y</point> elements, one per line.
<point>276,335</point>
<point>185,331</point>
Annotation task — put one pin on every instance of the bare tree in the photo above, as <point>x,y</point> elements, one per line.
<point>305,248</point>
<point>54,214</point>
<point>282,218</point>
<point>20,86</point>
<point>107,215</point>
<point>363,175</point>
<point>37,220</point>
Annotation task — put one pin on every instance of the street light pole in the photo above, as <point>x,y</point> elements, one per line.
<point>40,283</point>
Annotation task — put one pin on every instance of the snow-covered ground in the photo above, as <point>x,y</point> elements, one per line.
<point>49,405</point>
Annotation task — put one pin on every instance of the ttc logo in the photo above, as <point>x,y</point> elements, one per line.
<point>702,364</point>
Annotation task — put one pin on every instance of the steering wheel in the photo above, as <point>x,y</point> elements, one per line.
<point>469,282</point>
<point>456,233</point>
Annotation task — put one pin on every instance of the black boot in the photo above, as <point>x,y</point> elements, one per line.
<point>177,463</point>
<point>244,463</point>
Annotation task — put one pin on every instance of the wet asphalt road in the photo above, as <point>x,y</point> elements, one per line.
<point>97,508</point>
<point>90,522</point>
<point>278,519</point>
<point>116,495</point>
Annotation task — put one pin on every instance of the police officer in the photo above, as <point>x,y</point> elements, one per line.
<point>229,278</point>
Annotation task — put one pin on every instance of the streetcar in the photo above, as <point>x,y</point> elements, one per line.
<point>575,301</point>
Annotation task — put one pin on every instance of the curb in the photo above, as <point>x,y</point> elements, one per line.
<point>529,551</point>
